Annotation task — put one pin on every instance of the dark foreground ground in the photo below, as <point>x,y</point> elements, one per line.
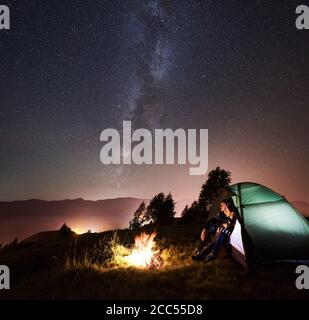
<point>82,267</point>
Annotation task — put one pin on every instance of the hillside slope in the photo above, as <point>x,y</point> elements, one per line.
<point>40,270</point>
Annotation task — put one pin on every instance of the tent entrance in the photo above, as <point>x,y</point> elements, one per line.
<point>237,247</point>
<point>236,238</point>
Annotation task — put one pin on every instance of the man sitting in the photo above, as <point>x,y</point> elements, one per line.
<point>220,228</point>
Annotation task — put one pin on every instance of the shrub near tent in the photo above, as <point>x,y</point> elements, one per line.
<point>269,228</point>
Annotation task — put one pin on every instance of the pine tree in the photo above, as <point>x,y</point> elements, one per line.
<point>140,216</point>
<point>218,179</point>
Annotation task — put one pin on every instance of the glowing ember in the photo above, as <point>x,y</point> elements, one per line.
<point>144,254</point>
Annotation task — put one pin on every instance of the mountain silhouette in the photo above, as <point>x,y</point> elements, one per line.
<point>24,218</point>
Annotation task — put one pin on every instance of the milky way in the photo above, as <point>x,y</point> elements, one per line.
<point>151,34</point>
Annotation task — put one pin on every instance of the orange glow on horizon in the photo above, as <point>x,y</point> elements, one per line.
<point>81,229</point>
<point>76,230</point>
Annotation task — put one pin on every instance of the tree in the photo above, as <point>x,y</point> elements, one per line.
<point>65,230</point>
<point>14,243</point>
<point>140,216</point>
<point>169,207</point>
<point>218,180</point>
<point>190,214</point>
<point>161,208</point>
<point>185,211</point>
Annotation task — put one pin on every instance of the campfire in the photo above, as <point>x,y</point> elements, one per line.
<point>144,253</point>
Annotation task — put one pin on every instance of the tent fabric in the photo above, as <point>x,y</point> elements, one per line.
<point>270,228</point>
<point>252,193</point>
<point>236,238</point>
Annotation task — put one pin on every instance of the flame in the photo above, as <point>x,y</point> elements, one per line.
<point>144,251</point>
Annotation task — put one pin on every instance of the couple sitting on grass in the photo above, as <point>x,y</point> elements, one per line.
<point>216,232</point>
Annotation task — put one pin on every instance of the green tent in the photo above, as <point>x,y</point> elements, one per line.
<point>269,228</point>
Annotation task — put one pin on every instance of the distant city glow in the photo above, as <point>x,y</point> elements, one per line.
<point>81,229</point>
<point>76,230</point>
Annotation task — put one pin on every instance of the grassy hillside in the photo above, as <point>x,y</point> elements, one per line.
<point>83,267</point>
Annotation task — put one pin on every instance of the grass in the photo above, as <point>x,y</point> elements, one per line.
<point>90,267</point>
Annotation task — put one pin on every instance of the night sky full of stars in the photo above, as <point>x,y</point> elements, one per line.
<point>70,69</point>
